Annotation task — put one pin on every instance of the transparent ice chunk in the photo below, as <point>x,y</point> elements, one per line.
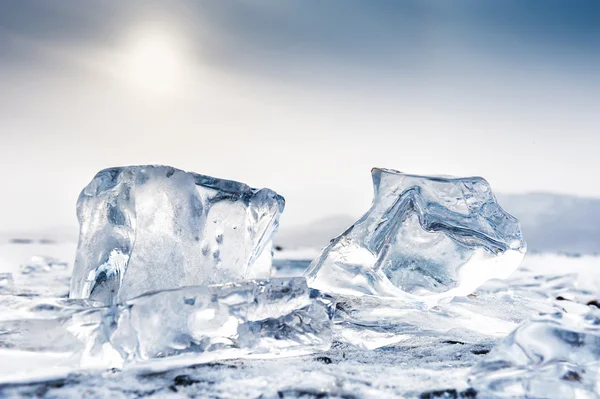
<point>424,238</point>
<point>14,307</point>
<point>256,318</point>
<point>553,356</point>
<point>371,322</point>
<point>149,228</point>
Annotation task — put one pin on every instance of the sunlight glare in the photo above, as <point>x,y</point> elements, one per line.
<point>155,63</point>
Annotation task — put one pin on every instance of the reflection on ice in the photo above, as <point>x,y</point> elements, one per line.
<point>39,277</point>
<point>150,228</point>
<point>554,356</point>
<point>371,323</point>
<point>417,270</point>
<point>423,239</point>
<point>183,326</point>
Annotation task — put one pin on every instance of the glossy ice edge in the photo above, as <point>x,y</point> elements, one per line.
<point>147,228</point>
<point>423,239</point>
<point>553,356</point>
<point>258,318</point>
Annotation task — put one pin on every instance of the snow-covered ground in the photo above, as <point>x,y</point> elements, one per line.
<point>417,367</point>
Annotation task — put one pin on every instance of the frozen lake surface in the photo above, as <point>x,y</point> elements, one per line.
<point>419,367</point>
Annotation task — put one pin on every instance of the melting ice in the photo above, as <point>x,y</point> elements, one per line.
<point>554,356</point>
<point>149,228</point>
<point>173,269</point>
<point>266,318</point>
<point>170,270</point>
<point>424,239</point>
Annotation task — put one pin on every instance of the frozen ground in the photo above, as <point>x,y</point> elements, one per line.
<point>419,367</point>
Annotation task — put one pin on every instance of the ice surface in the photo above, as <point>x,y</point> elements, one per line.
<point>432,364</point>
<point>177,327</point>
<point>149,228</point>
<point>534,285</point>
<point>41,324</point>
<point>39,277</point>
<point>424,238</point>
<point>371,322</point>
<point>260,318</point>
<point>414,371</point>
<point>491,312</point>
<point>553,356</point>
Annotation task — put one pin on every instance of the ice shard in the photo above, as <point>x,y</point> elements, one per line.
<point>149,228</point>
<point>534,285</point>
<point>254,318</point>
<point>424,238</point>
<point>553,356</point>
<point>371,322</point>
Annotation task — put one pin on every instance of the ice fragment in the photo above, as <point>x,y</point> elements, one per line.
<point>424,238</point>
<point>553,356</point>
<point>39,277</point>
<point>258,318</point>
<point>372,322</point>
<point>149,228</point>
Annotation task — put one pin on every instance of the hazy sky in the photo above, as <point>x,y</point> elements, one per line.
<point>300,96</point>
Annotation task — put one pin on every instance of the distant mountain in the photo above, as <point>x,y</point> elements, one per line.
<point>550,223</point>
<point>557,223</point>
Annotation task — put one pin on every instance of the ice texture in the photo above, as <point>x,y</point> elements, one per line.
<point>370,322</point>
<point>493,311</point>
<point>260,318</point>
<point>418,360</point>
<point>424,238</point>
<point>552,356</point>
<point>150,228</point>
<point>39,277</point>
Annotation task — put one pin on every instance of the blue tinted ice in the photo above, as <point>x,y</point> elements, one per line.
<point>261,318</point>
<point>372,322</point>
<point>554,356</point>
<point>149,228</point>
<point>424,238</point>
<point>39,277</point>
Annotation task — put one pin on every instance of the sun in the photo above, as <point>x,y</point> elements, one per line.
<point>154,62</point>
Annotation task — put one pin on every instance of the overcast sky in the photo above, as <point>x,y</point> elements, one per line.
<point>303,97</point>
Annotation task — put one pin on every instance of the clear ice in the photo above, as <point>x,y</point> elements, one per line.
<point>493,311</point>
<point>39,277</point>
<point>150,228</point>
<point>552,356</point>
<point>424,239</point>
<point>254,318</point>
<point>370,322</point>
<point>172,269</point>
